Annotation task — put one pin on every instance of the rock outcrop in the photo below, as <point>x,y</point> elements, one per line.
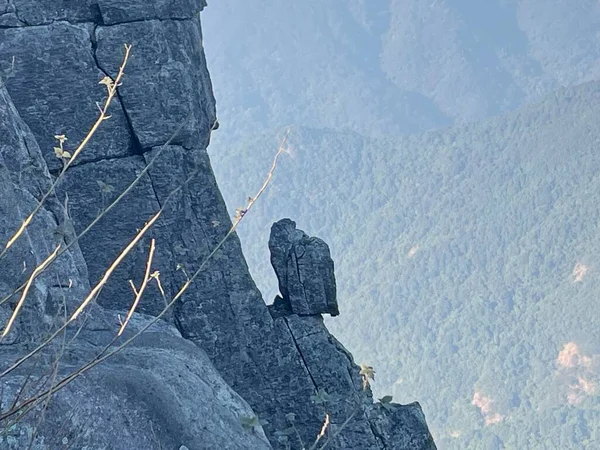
<point>288,367</point>
<point>304,270</point>
<point>342,392</point>
<point>161,391</point>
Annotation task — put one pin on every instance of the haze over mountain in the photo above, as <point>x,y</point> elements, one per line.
<point>466,263</point>
<point>388,66</point>
<point>465,255</point>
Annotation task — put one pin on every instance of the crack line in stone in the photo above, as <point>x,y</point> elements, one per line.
<point>56,172</point>
<point>87,22</point>
<point>297,264</point>
<point>137,148</point>
<point>378,437</point>
<point>301,355</point>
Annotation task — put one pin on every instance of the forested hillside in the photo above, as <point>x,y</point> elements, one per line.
<point>391,66</point>
<point>466,259</point>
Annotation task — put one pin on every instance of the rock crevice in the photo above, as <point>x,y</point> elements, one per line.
<point>136,146</point>
<point>316,386</point>
<point>276,358</point>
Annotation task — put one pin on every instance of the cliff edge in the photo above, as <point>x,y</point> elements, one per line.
<point>281,360</point>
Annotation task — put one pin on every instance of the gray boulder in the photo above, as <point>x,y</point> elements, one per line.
<point>304,269</point>
<point>340,390</point>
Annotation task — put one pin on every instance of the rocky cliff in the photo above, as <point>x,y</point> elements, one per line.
<point>184,382</point>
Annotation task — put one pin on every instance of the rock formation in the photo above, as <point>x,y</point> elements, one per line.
<point>306,280</point>
<point>304,269</point>
<point>162,390</point>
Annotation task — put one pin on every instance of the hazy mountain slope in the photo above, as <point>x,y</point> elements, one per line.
<point>276,62</point>
<point>563,37</point>
<point>391,66</point>
<point>466,263</point>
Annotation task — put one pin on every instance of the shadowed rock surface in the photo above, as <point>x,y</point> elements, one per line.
<point>162,391</point>
<point>161,124</point>
<point>304,270</point>
<point>339,387</point>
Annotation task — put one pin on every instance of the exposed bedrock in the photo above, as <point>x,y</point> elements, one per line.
<point>304,270</point>
<point>286,366</point>
<point>162,391</point>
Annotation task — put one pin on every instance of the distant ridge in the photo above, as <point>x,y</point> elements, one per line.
<point>466,261</point>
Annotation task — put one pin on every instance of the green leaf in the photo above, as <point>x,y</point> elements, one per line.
<point>107,81</point>
<point>386,402</point>
<point>105,187</point>
<point>249,422</point>
<point>386,399</point>
<point>321,397</point>
<point>367,371</point>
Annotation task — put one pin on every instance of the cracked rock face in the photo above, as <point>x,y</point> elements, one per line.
<point>162,391</point>
<point>331,368</point>
<point>66,71</point>
<point>304,270</point>
<point>158,136</point>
